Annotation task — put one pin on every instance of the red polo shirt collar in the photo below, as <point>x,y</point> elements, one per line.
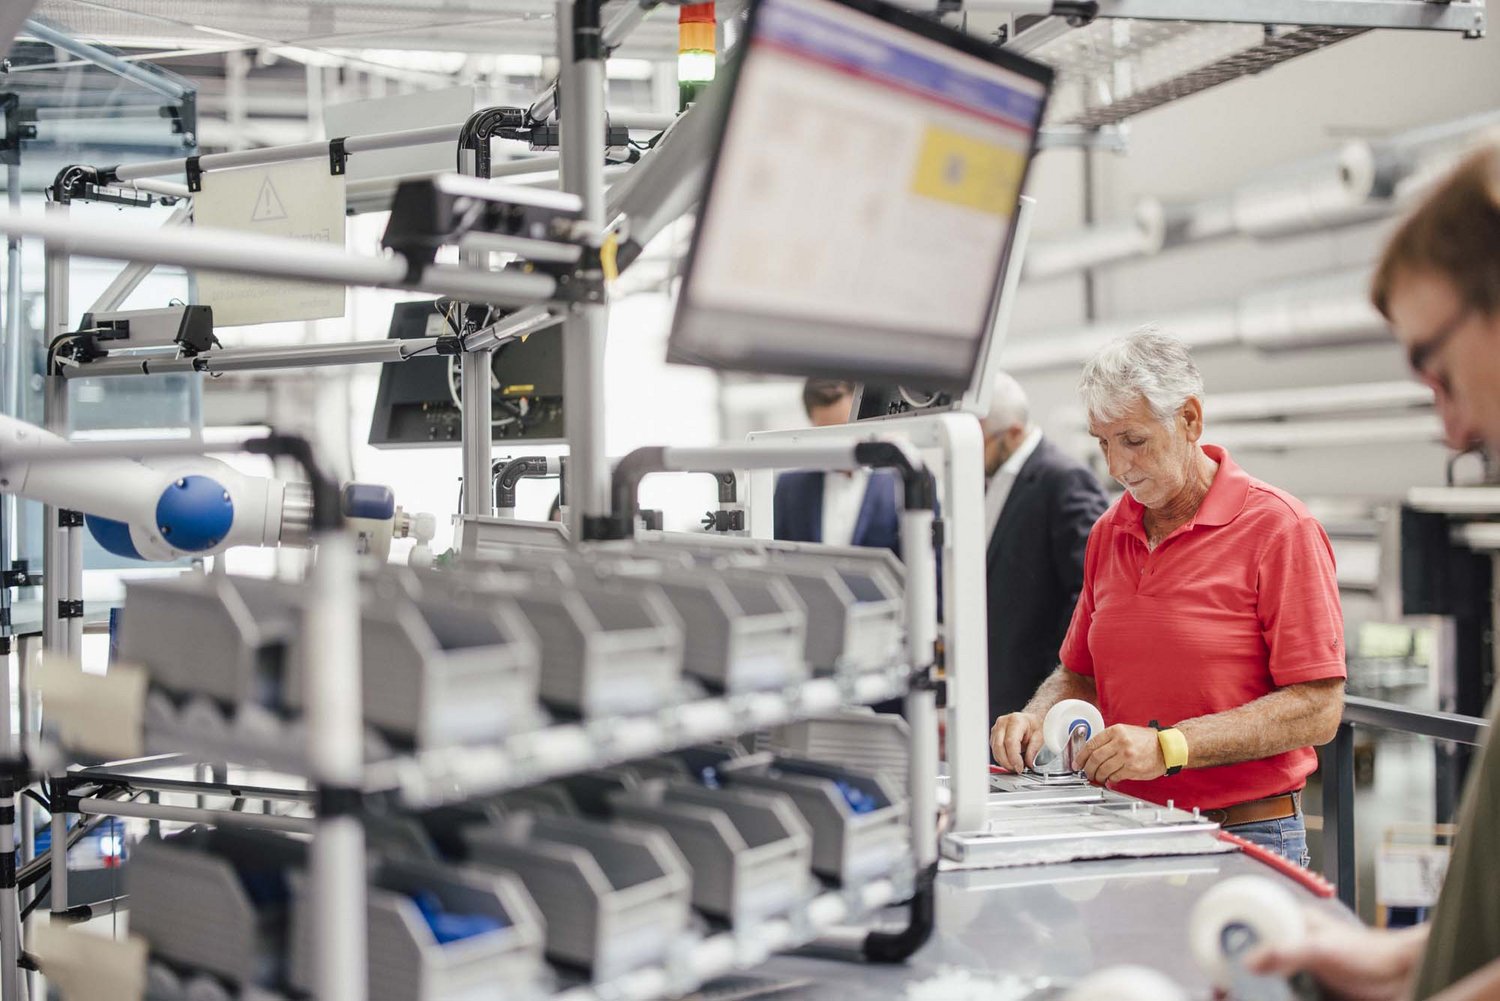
<point>1222,504</point>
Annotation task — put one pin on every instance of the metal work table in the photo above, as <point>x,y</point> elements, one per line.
<point>1053,922</point>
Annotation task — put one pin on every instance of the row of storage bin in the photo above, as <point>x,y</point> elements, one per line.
<point>601,873</point>
<point>477,651</point>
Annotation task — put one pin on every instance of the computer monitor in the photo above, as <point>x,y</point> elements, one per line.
<point>418,402</point>
<point>859,207</point>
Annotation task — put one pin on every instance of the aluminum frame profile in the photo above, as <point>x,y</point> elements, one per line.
<point>1292,28</point>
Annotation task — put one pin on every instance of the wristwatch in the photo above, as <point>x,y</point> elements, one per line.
<point>1174,748</point>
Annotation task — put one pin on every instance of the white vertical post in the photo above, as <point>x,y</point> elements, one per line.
<point>58,542</point>
<point>10,906</point>
<point>330,630</point>
<point>921,701</point>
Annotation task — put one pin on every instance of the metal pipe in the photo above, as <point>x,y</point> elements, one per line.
<point>10,904</point>
<point>526,165</point>
<point>477,415</point>
<point>162,84</point>
<point>10,376</point>
<point>1331,310</point>
<point>260,359</point>
<point>1338,814</point>
<point>921,703</point>
<point>135,272</point>
<point>518,324</point>
<point>615,32</point>
<point>541,251</point>
<point>296,151</point>
<point>156,186</point>
<point>195,815</point>
<point>227,789</point>
<point>55,419</point>
<point>581,79</point>
<point>330,628</point>
<point>645,121</point>
<point>275,257</point>
<point>59,860</point>
<point>25,655</point>
<point>1362,181</point>
<point>1437,725</point>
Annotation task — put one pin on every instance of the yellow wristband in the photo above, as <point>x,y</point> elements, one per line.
<point>1174,747</point>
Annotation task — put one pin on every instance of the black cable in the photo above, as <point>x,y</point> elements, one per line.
<point>41,891</point>
<point>420,351</point>
<point>45,803</point>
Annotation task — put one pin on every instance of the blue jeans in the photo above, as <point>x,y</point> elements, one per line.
<point>1286,837</point>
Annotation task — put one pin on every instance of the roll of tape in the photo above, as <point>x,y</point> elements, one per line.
<point>1061,719</point>
<point>1267,910</point>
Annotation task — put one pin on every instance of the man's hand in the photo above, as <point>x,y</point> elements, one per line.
<point>1122,752</point>
<point>1015,740</point>
<point>1349,961</point>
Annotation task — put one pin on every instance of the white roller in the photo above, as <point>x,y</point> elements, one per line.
<point>1126,983</point>
<point>1268,910</point>
<point>1061,719</point>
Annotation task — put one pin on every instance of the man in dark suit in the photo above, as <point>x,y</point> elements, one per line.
<point>838,508</point>
<point>1039,507</point>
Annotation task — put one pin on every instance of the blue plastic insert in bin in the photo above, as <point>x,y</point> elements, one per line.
<point>448,927</point>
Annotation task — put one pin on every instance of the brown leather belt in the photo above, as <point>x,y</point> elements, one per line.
<point>1257,810</point>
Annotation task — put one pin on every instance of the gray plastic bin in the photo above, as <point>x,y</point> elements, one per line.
<point>442,666</point>
<point>604,652</point>
<point>849,847</point>
<point>216,900</point>
<point>406,960</point>
<point>744,632</point>
<point>614,896</point>
<point>854,614</point>
<point>750,851</point>
<point>861,739</point>
<point>238,643</point>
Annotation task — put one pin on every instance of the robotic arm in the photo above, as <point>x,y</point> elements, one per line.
<point>165,509</point>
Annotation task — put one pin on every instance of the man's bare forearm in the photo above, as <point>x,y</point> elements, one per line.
<point>1301,715</point>
<point>1061,684</point>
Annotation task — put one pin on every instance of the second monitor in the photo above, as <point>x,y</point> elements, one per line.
<point>419,401</point>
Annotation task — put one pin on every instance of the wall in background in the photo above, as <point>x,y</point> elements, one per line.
<point>1368,87</point>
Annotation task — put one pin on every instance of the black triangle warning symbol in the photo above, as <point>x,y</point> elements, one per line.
<point>267,204</point>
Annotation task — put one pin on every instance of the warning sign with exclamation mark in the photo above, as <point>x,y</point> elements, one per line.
<point>301,200</point>
<point>268,203</point>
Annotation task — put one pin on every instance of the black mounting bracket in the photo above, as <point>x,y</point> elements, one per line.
<point>338,157</point>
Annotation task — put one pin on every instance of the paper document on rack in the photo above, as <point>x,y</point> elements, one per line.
<point>300,199</point>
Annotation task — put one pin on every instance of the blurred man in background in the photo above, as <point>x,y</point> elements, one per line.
<point>837,507</point>
<point>1039,507</point>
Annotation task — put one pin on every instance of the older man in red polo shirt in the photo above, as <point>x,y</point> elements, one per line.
<point>1209,631</point>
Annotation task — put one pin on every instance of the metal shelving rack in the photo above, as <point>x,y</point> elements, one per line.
<point>340,780</point>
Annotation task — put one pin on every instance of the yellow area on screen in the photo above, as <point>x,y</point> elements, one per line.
<point>963,170</point>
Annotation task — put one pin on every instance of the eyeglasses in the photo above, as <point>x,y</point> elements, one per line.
<point>1420,355</point>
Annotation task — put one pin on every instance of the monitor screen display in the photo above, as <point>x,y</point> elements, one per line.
<point>418,403</point>
<point>859,208</point>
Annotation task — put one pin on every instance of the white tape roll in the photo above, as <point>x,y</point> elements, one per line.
<point>1268,910</point>
<point>1061,719</point>
<point>1126,983</point>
